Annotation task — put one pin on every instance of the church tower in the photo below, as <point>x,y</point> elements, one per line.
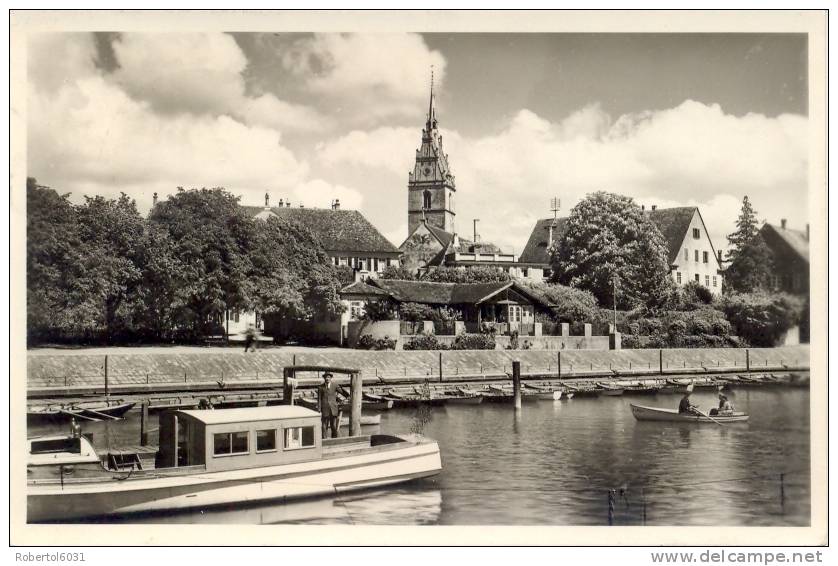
<point>430,186</point>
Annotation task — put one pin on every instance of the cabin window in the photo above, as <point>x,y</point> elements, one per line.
<point>299,437</point>
<point>266,440</point>
<point>230,443</point>
<point>696,233</point>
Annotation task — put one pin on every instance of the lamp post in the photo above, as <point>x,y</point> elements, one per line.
<point>614,292</point>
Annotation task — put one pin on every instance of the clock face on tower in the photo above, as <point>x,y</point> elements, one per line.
<point>427,171</point>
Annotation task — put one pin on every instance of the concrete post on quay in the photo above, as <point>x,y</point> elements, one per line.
<point>288,383</point>
<point>516,384</point>
<point>355,394</point>
<point>144,425</point>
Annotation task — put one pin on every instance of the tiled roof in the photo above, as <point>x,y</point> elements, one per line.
<point>431,293</point>
<point>536,249</point>
<point>464,245</point>
<point>673,223</point>
<point>361,288</point>
<point>337,230</point>
<point>794,241</point>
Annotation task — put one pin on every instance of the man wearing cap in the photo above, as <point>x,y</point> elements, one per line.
<point>685,406</point>
<point>327,399</point>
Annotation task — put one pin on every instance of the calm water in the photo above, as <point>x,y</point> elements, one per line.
<point>556,461</point>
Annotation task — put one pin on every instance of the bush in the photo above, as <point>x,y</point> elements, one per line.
<point>569,304</point>
<point>760,319</point>
<point>368,342</point>
<point>474,342</point>
<point>693,296</point>
<point>425,342</point>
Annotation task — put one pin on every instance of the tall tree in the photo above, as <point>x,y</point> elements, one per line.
<point>212,238</point>
<point>610,244</point>
<point>750,259</point>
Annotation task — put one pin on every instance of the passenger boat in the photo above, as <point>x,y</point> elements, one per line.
<point>83,411</point>
<point>217,457</point>
<point>642,413</point>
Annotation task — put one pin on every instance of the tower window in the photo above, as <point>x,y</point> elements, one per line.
<point>426,199</point>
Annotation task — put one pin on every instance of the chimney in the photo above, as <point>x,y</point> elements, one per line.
<point>455,241</point>
<point>154,203</point>
<point>807,232</point>
<point>783,223</point>
<point>336,204</point>
<point>302,205</point>
<point>281,203</point>
<point>550,234</point>
<point>654,207</point>
<point>720,256</point>
<point>643,207</point>
<point>267,200</point>
<point>288,204</point>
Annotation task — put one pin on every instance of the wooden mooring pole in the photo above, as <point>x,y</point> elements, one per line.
<point>287,387</point>
<point>144,425</point>
<point>747,360</point>
<point>516,384</point>
<point>440,367</point>
<point>560,363</point>
<point>355,394</point>
<point>106,376</point>
<point>660,360</point>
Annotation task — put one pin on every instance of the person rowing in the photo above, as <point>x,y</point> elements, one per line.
<point>685,406</point>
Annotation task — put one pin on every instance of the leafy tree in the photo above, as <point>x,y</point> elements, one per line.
<point>55,299</point>
<point>475,274</point>
<point>759,318</point>
<point>397,272</point>
<point>110,231</point>
<point>566,303</point>
<point>607,236</point>
<point>212,240</point>
<point>382,309</point>
<point>750,259</point>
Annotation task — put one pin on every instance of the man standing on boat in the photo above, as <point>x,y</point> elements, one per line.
<point>327,398</point>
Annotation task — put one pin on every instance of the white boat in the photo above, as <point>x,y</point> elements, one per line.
<point>642,413</point>
<point>217,457</point>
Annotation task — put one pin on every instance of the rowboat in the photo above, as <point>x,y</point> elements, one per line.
<point>366,420</point>
<point>464,397</point>
<point>609,390</point>
<point>540,392</point>
<point>582,392</point>
<point>84,411</point>
<point>220,457</point>
<point>642,413</point>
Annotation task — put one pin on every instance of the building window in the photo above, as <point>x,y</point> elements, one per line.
<point>236,316</point>
<point>705,257</point>
<point>678,277</point>
<point>343,261</point>
<point>714,281</point>
<point>426,199</point>
<point>696,256</point>
<point>696,233</point>
<point>299,437</point>
<point>230,443</point>
<point>686,254</point>
<point>698,278</point>
<point>525,272</point>
<point>266,440</point>
<point>706,280</point>
<point>356,310</point>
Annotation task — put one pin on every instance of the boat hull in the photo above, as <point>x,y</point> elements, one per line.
<point>161,491</point>
<point>642,413</point>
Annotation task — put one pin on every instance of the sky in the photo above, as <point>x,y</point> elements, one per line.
<point>667,119</point>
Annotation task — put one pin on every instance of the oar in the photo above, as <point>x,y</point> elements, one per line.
<point>709,417</point>
<point>98,414</point>
<point>79,415</point>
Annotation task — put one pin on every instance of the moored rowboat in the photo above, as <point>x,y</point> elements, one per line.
<point>642,413</point>
<point>85,411</point>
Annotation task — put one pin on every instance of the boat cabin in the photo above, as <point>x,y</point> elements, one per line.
<point>228,439</point>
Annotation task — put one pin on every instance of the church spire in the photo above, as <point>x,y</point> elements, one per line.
<point>431,125</point>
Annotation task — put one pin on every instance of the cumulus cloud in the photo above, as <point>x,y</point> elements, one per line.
<point>201,73</point>
<point>319,193</point>
<point>693,154</point>
<point>367,76</point>
<point>87,134</point>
